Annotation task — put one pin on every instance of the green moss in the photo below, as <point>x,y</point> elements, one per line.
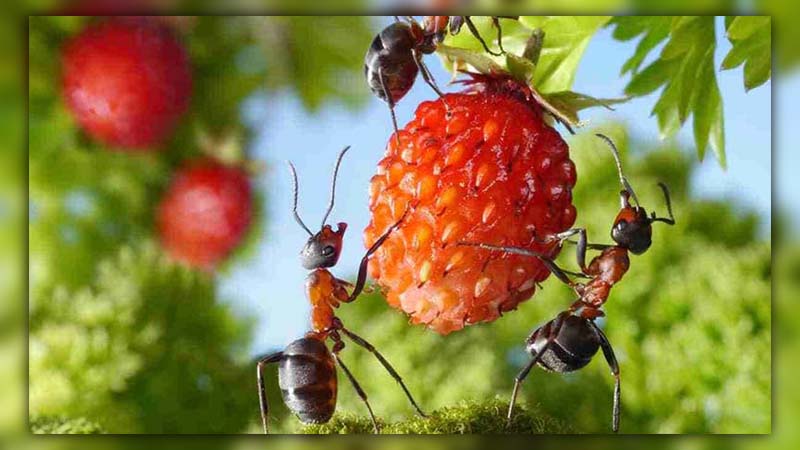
<point>64,425</point>
<point>463,418</point>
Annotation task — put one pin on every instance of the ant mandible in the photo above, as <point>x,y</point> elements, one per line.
<point>394,59</point>
<point>568,342</point>
<point>307,369</point>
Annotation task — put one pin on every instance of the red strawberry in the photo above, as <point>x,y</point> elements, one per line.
<point>127,82</point>
<point>205,212</point>
<point>490,170</point>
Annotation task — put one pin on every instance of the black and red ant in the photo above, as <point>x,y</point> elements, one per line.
<point>394,59</point>
<point>307,368</point>
<point>568,342</point>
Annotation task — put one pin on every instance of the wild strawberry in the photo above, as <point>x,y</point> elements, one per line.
<point>205,212</point>
<point>127,82</point>
<point>484,168</point>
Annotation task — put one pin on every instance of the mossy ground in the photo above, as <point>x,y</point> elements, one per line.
<point>63,425</point>
<point>463,418</point>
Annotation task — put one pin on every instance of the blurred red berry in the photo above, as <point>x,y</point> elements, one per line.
<point>205,213</point>
<point>127,82</point>
<point>490,170</point>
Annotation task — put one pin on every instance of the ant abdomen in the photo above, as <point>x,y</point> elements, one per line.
<point>307,378</point>
<point>573,347</point>
<point>389,65</point>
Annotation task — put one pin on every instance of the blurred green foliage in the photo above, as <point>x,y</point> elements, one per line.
<point>140,349</point>
<point>118,334</point>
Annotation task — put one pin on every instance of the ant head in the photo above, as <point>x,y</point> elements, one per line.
<point>436,26</point>
<point>633,228</point>
<point>422,38</point>
<point>323,248</point>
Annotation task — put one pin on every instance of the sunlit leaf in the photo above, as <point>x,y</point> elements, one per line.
<point>654,28</point>
<point>684,70</point>
<point>565,39</point>
<point>476,59</point>
<point>570,103</point>
<point>751,39</point>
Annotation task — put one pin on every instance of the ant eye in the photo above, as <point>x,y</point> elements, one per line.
<point>327,251</point>
<point>622,224</point>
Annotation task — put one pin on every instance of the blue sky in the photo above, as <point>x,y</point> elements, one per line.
<point>269,286</point>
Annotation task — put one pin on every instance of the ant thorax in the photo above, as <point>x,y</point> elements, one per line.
<point>606,269</point>
<point>324,292</point>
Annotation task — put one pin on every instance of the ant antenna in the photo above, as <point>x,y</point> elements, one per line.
<point>671,219</point>
<point>333,185</point>
<point>294,195</point>
<point>622,179</point>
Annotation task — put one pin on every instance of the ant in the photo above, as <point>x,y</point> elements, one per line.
<point>306,371</point>
<point>568,342</point>
<point>394,59</point>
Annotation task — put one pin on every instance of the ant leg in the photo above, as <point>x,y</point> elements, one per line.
<point>428,78</point>
<point>262,390</point>
<point>477,35</point>
<point>362,342</point>
<point>608,352</point>
<point>362,268</point>
<point>359,391</point>
<point>549,263</point>
<point>390,102</point>
<point>581,244</point>
<point>671,220</point>
<point>496,24</point>
<point>426,75</point>
<point>555,327</point>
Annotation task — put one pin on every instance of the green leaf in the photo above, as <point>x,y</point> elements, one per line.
<point>655,30</point>
<point>522,69</point>
<point>708,116</point>
<point>651,78</point>
<point>742,27</point>
<point>684,69</point>
<point>751,38</point>
<point>478,60</point>
<point>565,40</point>
<point>570,103</point>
